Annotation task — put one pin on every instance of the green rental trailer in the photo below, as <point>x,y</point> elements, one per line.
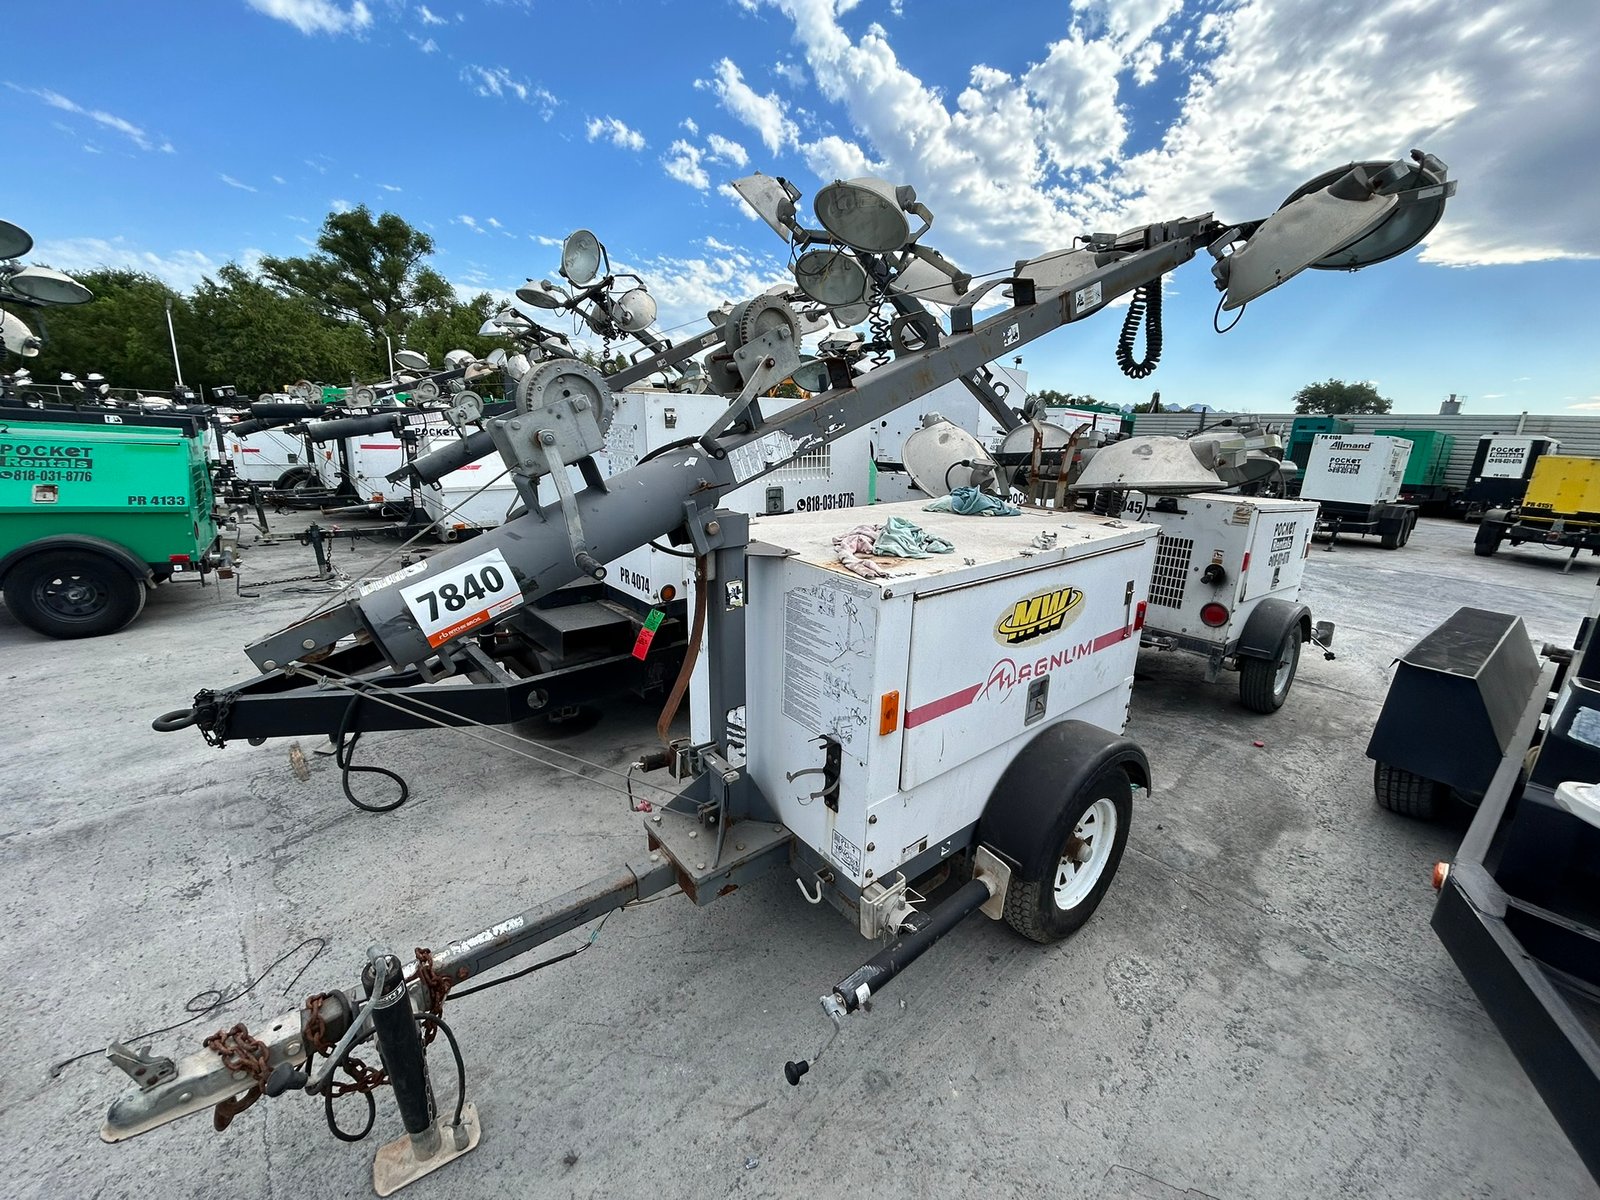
<point>97,506</point>
<point>1430,456</point>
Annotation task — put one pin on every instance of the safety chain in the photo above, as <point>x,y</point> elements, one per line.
<point>364,1078</point>
<point>438,988</point>
<point>215,731</point>
<point>315,1030</point>
<point>240,1051</point>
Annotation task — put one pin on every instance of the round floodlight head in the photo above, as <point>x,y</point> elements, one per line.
<point>16,336</point>
<point>580,256</point>
<point>104,389</point>
<point>811,376</point>
<point>491,328</point>
<point>831,277</point>
<point>44,286</point>
<point>540,295</point>
<point>865,213</point>
<point>517,366</point>
<point>934,455</point>
<point>497,357</point>
<point>1403,227</point>
<point>454,360</point>
<point>14,240</point>
<point>634,311</point>
<point>95,377</point>
<point>412,360</point>
<point>21,375</point>
<point>68,377</point>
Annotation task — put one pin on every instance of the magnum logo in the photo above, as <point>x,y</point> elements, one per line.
<point>1039,615</point>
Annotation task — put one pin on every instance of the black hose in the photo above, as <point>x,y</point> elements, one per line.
<point>434,1019</point>
<point>333,1122</point>
<point>343,751</point>
<point>1144,309</point>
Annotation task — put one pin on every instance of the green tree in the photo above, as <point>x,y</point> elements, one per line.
<point>261,339</point>
<point>369,270</point>
<point>441,328</point>
<point>1057,399</point>
<point>121,333</point>
<point>1337,398</point>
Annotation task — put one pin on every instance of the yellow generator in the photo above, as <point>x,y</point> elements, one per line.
<point>1560,508</point>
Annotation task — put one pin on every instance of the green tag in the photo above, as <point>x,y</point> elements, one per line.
<point>653,621</point>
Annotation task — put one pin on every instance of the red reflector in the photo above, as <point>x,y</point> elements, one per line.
<point>183,558</point>
<point>1246,566</point>
<point>1214,615</point>
<point>1138,616</point>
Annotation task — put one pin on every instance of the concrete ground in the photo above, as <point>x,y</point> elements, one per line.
<point>1259,1009</point>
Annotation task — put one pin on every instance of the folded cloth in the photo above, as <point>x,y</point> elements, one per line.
<point>906,539</point>
<point>851,545</point>
<point>973,502</point>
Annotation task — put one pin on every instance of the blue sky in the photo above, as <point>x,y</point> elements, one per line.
<point>175,136</point>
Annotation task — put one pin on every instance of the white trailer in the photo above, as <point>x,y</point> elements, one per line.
<point>1501,468</point>
<point>1226,585</point>
<point>883,715</point>
<point>1356,478</point>
<point>268,456</point>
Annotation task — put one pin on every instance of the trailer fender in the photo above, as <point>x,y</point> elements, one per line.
<point>118,554</point>
<point>1044,775</point>
<point>1272,619</point>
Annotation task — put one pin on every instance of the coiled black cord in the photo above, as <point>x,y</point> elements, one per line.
<point>1144,309</point>
<point>344,750</point>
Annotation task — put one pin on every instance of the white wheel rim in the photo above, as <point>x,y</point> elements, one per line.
<point>1280,681</point>
<point>1088,851</point>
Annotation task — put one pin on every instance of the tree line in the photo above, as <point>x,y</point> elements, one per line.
<point>323,316</point>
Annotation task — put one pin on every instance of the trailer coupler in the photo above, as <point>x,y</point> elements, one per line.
<point>918,932</point>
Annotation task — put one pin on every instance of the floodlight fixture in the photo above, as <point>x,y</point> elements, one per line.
<point>772,199</point>
<point>871,214</point>
<point>44,286</point>
<point>454,360</point>
<point>831,276</point>
<point>581,256</point>
<point>412,360</point>
<point>634,311</point>
<point>1420,188</point>
<point>929,275</point>
<point>545,295</point>
<point>17,338</point>
<point>491,328</point>
<point>811,375</point>
<point>497,357</point>
<point>15,241</point>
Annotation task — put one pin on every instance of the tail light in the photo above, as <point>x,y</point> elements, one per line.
<point>1138,617</point>
<point>1246,566</point>
<point>178,558</point>
<point>1214,615</point>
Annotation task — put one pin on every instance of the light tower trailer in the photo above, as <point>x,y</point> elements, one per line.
<point>1357,479</point>
<point>1029,814</point>
<point>1226,586</point>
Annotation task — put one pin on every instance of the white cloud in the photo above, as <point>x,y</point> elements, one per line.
<point>470,223</point>
<point>615,132</point>
<point>168,148</point>
<point>682,162</point>
<point>1277,91</point>
<point>767,115</point>
<point>317,16</point>
<point>791,73</point>
<point>339,206</point>
<point>99,116</point>
<point>182,269</point>
<point>428,18</point>
<point>234,183</point>
<point>500,83</point>
<point>278,179</point>
<point>426,45</point>
<point>495,224</point>
<point>91,149</point>
<point>389,187</point>
<point>721,149</point>
<point>689,124</point>
<point>544,241</point>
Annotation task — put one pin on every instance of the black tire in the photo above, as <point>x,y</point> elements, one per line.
<point>1264,683</point>
<point>294,479</point>
<point>1393,539</point>
<point>1487,539</point>
<point>1033,905</point>
<point>73,594</point>
<point>1405,533</point>
<point>1410,795</point>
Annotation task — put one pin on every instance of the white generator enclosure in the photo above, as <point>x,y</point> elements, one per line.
<point>476,495</point>
<point>929,681</point>
<point>372,456</point>
<point>264,456</point>
<point>1357,469</point>
<point>1232,551</point>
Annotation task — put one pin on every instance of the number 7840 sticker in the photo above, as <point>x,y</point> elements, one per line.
<point>463,597</point>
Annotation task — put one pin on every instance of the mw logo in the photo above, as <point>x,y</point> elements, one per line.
<point>1039,615</point>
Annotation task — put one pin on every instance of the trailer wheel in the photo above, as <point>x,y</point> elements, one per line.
<point>1402,792</point>
<point>1089,834</point>
<point>1264,682</point>
<point>1405,533</point>
<point>294,478</point>
<point>73,594</point>
<point>1487,539</point>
